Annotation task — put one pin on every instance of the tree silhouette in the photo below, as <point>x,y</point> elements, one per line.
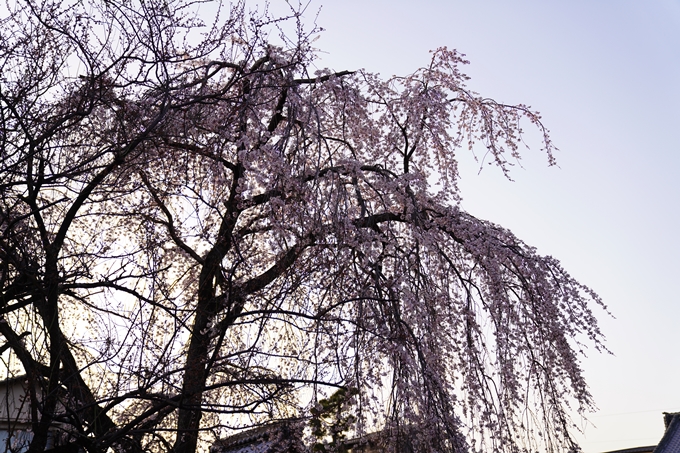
<point>199,233</point>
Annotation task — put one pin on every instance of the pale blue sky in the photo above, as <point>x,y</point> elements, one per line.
<point>606,77</point>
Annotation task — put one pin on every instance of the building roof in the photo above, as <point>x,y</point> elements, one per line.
<point>670,442</point>
<point>275,437</point>
<point>648,449</point>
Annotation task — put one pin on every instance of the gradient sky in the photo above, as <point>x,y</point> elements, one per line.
<point>606,77</point>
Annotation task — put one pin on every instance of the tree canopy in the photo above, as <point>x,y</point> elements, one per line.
<point>199,231</point>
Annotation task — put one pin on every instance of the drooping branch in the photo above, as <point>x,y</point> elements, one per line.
<point>200,235</point>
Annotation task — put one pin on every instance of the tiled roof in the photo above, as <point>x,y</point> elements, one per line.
<point>670,442</point>
<point>276,437</point>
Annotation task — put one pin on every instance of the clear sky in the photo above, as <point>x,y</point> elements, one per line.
<point>606,77</point>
